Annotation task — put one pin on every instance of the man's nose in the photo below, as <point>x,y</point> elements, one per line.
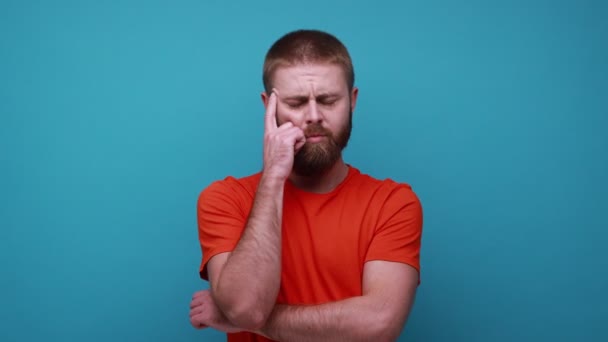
<point>313,115</point>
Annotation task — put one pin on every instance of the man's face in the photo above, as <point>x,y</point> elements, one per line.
<point>315,97</point>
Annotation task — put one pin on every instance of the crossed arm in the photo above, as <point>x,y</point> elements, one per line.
<point>378,315</point>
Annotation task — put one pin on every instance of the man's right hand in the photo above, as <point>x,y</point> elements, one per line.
<point>281,143</point>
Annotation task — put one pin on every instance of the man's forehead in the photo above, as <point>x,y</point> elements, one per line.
<point>302,79</point>
<point>309,70</point>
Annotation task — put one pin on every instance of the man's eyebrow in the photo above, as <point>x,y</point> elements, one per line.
<point>327,96</point>
<point>299,98</point>
<point>320,97</point>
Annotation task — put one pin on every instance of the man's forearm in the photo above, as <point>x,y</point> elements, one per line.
<point>353,319</point>
<point>249,282</point>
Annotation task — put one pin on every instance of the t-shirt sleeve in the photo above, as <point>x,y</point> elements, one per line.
<point>221,220</point>
<point>399,231</point>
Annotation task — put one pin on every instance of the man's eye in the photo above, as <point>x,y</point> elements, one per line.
<point>328,103</point>
<point>295,104</point>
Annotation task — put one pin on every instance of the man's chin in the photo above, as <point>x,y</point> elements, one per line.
<point>314,169</point>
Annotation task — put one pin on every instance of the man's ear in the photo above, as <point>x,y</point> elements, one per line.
<point>353,98</point>
<point>265,98</point>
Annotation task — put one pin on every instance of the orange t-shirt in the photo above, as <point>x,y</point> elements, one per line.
<point>326,238</point>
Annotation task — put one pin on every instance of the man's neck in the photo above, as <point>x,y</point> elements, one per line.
<point>324,183</point>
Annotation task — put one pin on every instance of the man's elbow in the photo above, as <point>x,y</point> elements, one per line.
<point>247,318</point>
<point>243,311</point>
<point>387,329</point>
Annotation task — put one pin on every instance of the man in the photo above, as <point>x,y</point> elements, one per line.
<point>308,249</point>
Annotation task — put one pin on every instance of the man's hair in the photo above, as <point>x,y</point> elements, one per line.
<point>307,47</point>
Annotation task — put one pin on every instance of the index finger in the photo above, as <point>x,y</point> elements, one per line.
<point>271,112</point>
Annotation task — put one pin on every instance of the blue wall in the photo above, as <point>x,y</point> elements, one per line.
<point>115,115</point>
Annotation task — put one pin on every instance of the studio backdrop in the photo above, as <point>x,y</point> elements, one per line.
<point>115,115</point>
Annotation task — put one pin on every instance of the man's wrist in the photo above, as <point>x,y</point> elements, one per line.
<point>271,183</point>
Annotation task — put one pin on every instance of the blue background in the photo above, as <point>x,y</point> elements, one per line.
<point>116,114</point>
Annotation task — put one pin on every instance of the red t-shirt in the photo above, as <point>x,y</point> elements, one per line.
<point>326,238</point>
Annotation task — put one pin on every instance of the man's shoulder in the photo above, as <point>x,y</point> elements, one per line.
<point>232,186</point>
<point>385,195</point>
<point>381,190</point>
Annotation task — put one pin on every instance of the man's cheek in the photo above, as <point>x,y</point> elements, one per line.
<point>284,117</point>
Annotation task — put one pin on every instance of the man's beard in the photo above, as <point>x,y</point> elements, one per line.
<point>314,159</point>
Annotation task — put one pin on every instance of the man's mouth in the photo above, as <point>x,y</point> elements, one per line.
<point>315,137</point>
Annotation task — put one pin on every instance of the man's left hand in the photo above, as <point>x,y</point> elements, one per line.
<point>204,313</point>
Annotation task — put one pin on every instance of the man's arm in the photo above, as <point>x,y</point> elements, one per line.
<point>378,315</point>
<point>245,282</point>
<point>246,289</point>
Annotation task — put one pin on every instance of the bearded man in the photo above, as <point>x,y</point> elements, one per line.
<point>309,248</point>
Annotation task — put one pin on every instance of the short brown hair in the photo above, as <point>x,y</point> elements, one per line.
<point>307,46</point>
